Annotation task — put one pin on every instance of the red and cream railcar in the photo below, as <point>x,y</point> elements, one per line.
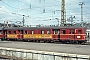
<point>1,33</point>
<point>37,34</point>
<point>13,33</point>
<point>41,34</point>
<point>63,34</point>
<point>73,34</point>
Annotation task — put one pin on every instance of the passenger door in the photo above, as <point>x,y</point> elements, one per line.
<point>56,34</point>
<point>5,34</point>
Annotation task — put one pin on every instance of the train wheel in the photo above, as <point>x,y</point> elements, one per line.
<point>44,41</point>
<point>38,41</point>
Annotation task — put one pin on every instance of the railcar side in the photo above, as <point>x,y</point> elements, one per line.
<point>47,34</point>
<point>73,35</point>
<point>13,34</point>
<point>37,34</point>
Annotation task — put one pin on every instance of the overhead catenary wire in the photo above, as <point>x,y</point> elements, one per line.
<point>33,7</point>
<point>8,5</point>
<point>13,12</point>
<point>28,8</point>
<point>26,3</point>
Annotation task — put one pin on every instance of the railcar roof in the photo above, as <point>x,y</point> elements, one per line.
<point>31,28</point>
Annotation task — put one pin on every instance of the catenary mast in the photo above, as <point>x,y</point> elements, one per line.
<point>81,4</point>
<point>63,13</point>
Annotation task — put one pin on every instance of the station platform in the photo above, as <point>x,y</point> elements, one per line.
<point>52,47</point>
<point>43,51</point>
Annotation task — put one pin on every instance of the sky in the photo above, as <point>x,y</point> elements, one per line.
<point>42,12</point>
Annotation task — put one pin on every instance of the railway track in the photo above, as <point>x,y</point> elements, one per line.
<point>88,43</point>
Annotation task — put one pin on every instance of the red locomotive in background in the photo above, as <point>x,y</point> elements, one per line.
<point>46,34</point>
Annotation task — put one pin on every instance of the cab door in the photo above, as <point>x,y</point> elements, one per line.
<point>58,32</point>
<point>72,34</point>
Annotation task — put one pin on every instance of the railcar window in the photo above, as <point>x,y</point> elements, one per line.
<point>55,31</point>
<point>19,31</point>
<point>0,32</point>
<point>9,32</point>
<point>58,31</point>
<point>48,32</point>
<point>42,31</point>
<point>14,32</point>
<point>32,32</point>
<point>63,31</point>
<point>72,32</point>
<point>26,32</point>
<point>79,31</point>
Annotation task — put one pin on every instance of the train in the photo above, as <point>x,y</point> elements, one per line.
<point>67,34</point>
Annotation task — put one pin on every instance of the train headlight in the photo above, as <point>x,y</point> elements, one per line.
<point>78,36</point>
